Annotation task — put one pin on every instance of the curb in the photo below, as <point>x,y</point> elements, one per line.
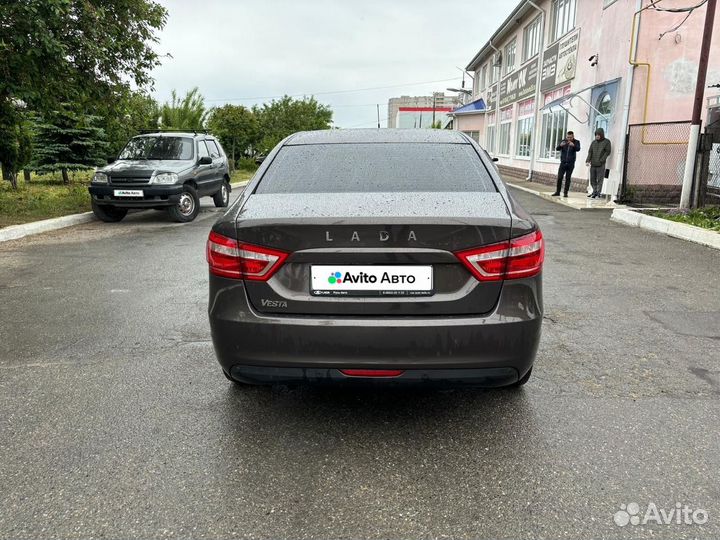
<point>556,200</point>
<point>13,232</point>
<point>683,231</point>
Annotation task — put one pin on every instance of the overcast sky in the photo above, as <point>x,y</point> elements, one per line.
<point>245,52</point>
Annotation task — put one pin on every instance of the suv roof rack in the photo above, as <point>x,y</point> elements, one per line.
<point>194,131</point>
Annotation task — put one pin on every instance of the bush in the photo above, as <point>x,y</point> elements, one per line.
<point>246,164</point>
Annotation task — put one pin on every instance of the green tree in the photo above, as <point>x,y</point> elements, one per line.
<point>285,116</point>
<point>237,128</point>
<point>16,145</point>
<point>67,140</point>
<point>124,114</point>
<point>186,114</point>
<point>54,51</point>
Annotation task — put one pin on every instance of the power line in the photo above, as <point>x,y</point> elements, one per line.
<point>349,91</point>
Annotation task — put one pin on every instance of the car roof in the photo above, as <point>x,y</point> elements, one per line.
<point>345,136</point>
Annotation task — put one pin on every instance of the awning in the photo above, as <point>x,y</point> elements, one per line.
<point>561,101</point>
<point>474,107</point>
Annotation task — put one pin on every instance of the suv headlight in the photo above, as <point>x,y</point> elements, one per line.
<point>164,178</point>
<point>100,178</point>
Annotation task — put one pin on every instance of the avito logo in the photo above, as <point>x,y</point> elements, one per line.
<point>364,277</point>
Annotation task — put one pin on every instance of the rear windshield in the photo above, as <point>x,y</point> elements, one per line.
<point>158,148</point>
<point>340,168</point>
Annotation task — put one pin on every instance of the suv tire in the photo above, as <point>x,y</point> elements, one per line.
<point>222,197</point>
<point>107,213</point>
<point>188,206</point>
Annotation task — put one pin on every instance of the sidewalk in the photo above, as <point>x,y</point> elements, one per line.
<point>576,200</point>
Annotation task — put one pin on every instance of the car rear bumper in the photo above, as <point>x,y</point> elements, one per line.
<point>153,196</point>
<point>486,377</point>
<point>500,345</point>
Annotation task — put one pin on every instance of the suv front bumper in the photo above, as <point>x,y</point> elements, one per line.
<point>153,195</point>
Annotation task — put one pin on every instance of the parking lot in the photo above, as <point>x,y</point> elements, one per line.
<point>115,419</point>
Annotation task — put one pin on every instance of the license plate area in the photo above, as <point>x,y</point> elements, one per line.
<point>128,193</point>
<point>371,280</point>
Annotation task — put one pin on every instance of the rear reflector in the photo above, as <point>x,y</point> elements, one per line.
<point>372,372</point>
<point>518,258</point>
<point>229,258</point>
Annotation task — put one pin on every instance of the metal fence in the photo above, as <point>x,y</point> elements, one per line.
<point>708,167</point>
<point>655,157</point>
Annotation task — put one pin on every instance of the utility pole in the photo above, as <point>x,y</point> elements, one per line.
<point>697,105</point>
<point>378,111</point>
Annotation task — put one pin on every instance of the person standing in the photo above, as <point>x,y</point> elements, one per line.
<point>568,148</point>
<point>598,153</point>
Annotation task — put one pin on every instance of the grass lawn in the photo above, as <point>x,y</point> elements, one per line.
<point>44,197</point>
<point>241,175</point>
<point>47,197</point>
<point>707,218</point>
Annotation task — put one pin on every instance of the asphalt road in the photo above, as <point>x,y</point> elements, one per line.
<point>116,421</point>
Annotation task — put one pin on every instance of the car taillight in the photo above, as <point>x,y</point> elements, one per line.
<point>517,258</point>
<point>229,258</point>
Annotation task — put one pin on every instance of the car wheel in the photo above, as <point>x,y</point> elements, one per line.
<point>108,214</point>
<point>525,378</point>
<point>222,197</point>
<point>187,207</point>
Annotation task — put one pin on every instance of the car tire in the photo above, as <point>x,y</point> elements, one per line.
<point>522,381</point>
<point>187,207</point>
<point>107,213</point>
<point>222,197</point>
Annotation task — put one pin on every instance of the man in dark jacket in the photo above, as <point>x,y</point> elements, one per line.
<point>600,150</point>
<point>568,148</point>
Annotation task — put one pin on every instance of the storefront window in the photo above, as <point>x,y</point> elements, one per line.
<point>490,133</point>
<point>525,126</point>
<point>554,126</point>
<point>506,116</point>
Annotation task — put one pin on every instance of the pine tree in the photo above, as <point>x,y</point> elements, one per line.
<point>68,141</point>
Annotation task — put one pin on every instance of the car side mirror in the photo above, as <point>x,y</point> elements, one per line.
<point>111,159</point>
<point>495,159</point>
<point>205,160</point>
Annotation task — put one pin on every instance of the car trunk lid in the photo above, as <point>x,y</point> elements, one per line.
<point>346,231</point>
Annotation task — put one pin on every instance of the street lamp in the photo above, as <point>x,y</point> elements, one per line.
<point>462,91</point>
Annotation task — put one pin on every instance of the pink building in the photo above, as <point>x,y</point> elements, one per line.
<point>559,65</point>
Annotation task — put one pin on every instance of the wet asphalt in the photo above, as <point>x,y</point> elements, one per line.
<point>116,421</point>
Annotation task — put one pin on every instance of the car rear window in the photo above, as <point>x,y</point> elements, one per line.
<point>340,168</point>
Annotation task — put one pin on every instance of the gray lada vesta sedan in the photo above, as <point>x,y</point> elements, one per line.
<point>392,256</point>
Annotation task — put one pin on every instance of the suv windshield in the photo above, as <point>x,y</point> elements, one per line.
<point>345,168</point>
<point>158,148</point>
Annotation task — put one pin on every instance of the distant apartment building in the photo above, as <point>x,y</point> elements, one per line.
<point>419,111</point>
<point>623,65</point>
